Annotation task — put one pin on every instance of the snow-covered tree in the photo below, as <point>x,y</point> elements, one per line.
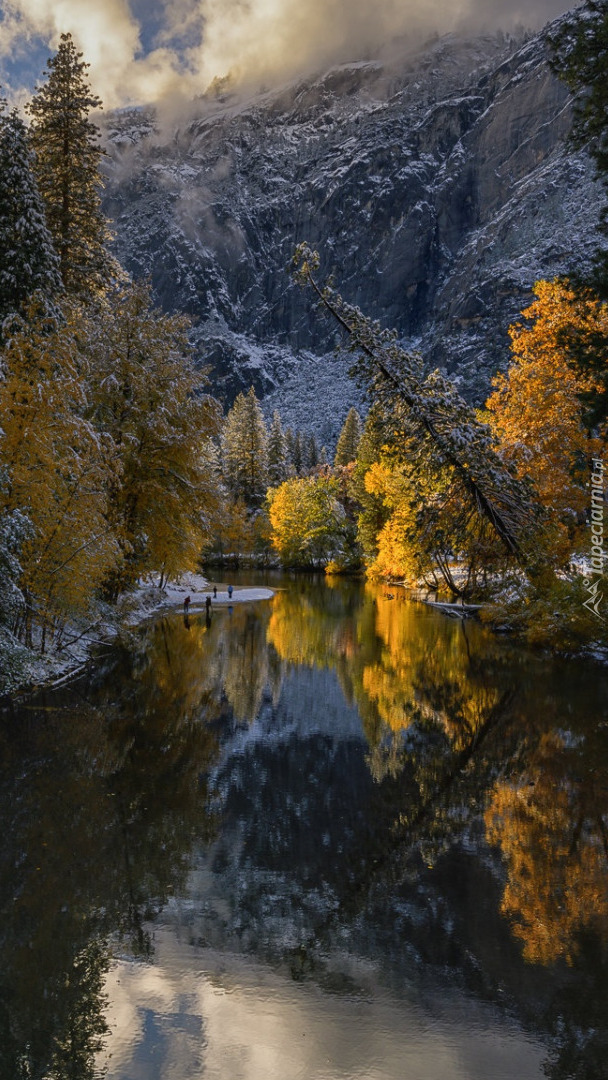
<point>310,452</point>
<point>349,438</point>
<point>148,397</point>
<point>444,434</point>
<point>245,450</point>
<point>278,454</point>
<point>15,528</point>
<point>28,261</point>
<point>297,456</point>
<point>57,468</point>
<point>68,156</point>
<point>307,521</point>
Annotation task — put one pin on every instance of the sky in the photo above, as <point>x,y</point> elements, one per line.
<point>143,51</point>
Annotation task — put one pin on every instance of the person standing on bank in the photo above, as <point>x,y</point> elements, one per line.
<point>230,591</point>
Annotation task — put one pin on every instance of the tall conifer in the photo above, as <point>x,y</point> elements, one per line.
<point>68,157</point>
<point>278,455</point>
<point>348,442</point>
<point>245,450</point>
<point>27,259</point>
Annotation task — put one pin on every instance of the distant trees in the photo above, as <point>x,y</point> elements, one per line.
<point>245,450</point>
<point>67,161</point>
<point>445,433</point>
<point>348,440</point>
<point>279,464</point>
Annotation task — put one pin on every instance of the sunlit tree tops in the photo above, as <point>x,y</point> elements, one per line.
<point>67,166</point>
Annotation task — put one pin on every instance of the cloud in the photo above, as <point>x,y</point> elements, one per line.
<point>146,50</point>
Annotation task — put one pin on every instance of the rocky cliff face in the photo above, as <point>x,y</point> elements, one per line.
<point>437,188</point>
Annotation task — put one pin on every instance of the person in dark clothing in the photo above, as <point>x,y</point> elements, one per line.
<point>186,605</point>
<point>214,591</point>
<point>208,605</point>
<point>230,591</point>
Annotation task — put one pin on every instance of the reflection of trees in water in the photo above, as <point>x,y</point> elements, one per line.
<point>551,823</point>
<point>102,796</point>
<point>103,801</point>
<point>449,739</point>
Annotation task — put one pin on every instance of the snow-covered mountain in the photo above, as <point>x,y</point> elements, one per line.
<point>437,187</point>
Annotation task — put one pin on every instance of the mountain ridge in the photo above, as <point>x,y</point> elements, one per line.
<point>437,189</point>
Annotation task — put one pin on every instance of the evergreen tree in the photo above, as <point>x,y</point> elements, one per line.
<point>445,437</point>
<point>245,450</point>
<point>348,441</point>
<point>68,157</point>
<point>27,259</point>
<point>311,452</point>
<point>278,455</point>
<point>290,440</point>
<point>297,453</point>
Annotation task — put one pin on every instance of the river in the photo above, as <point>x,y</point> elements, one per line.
<point>330,836</point>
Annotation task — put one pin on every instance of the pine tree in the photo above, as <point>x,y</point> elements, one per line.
<point>27,259</point>
<point>68,157</point>
<point>245,450</point>
<point>311,452</point>
<point>446,436</point>
<point>297,453</point>
<point>348,441</point>
<point>278,455</point>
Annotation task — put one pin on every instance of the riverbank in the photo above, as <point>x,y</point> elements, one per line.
<point>32,671</point>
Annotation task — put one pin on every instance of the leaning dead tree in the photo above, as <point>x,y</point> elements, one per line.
<point>443,423</point>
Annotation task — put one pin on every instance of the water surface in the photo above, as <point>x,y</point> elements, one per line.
<point>331,836</point>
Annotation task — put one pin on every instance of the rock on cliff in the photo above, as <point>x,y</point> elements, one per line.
<point>437,187</point>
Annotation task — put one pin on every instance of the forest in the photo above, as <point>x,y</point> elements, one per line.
<point>117,465</point>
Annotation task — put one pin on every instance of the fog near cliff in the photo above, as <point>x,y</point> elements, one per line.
<point>149,50</point>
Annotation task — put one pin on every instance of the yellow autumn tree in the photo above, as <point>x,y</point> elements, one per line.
<point>430,537</point>
<point>550,828</point>
<point>307,520</point>
<point>149,397</point>
<point>59,471</point>
<point>536,409</point>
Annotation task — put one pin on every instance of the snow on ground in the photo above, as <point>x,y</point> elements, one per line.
<point>149,598</point>
<point>58,667</point>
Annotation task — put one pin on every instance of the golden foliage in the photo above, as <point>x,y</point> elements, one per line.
<point>536,409</point>
<point>553,837</point>
<point>148,397</point>
<point>306,520</point>
<point>58,468</point>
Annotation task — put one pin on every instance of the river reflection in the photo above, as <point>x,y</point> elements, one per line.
<point>338,812</point>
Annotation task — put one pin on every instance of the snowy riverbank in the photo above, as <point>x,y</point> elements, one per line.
<point>33,671</point>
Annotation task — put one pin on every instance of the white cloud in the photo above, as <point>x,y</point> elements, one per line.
<point>253,39</point>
